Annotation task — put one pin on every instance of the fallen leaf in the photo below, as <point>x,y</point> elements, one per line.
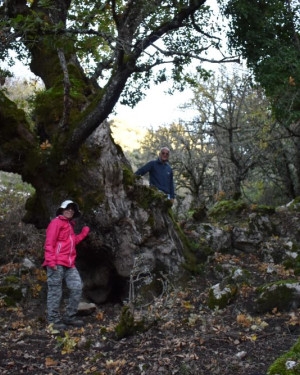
<point>45,145</point>
<point>244,320</point>
<point>49,362</point>
<point>100,315</point>
<point>187,305</point>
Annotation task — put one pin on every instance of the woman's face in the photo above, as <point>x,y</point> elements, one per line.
<point>68,213</point>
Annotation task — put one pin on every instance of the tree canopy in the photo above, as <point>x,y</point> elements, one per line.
<point>88,54</point>
<point>267,35</point>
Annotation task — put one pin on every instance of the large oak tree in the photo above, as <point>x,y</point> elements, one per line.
<point>88,54</point>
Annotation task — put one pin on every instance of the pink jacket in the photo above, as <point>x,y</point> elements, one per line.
<point>60,242</point>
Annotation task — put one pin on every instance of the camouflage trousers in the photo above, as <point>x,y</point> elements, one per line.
<point>55,280</point>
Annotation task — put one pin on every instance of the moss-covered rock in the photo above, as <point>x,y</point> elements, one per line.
<point>220,297</point>
<point>263,209</point>
<point>226,208</point>
<point>145,196</point>
<point>288,363</point>
<point>239,276</point>
<point>190,248</point>
<point>283,295</point>
<point>128,176</point>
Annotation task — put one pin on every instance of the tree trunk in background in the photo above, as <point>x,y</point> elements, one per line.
<point>297,164</point>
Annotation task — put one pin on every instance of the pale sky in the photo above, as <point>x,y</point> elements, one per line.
<point>158,108</point>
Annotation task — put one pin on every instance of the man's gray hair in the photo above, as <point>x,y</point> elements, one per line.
<point>165,148</point>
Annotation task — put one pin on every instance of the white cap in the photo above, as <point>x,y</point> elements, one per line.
<point>67,203</point>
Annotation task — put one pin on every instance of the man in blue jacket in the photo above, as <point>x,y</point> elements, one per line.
<point>160,173</point>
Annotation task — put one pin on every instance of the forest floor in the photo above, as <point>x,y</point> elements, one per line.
<point>184,336</point>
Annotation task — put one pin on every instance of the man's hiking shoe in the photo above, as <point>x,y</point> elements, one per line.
<point>73,322</point>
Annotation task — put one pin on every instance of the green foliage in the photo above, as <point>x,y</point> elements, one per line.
<point>21,91</point>
<point>134,91</point>
<point>66,343</point>
<point>262,190</point>
<point>11,279</point>
<point>283,365</point>
<point>293,264</point>
<point>127,325</point>
<point>266,33</point>
<point>11,294</point>
<point>13,192</point>
<point>95,29</point>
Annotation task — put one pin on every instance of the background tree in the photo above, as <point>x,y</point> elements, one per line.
<point>20,90</point>
<point>275,178</point>
<point>266,34</point>
<point>230,147</point>
<point>239,114</point>
<point>190,158</point>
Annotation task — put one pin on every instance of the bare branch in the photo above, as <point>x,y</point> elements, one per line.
<point>197,57</point>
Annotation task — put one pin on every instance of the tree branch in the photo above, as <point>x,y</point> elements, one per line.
<point>197,57</point>
<point>67,85</point>
<point>123,70</point>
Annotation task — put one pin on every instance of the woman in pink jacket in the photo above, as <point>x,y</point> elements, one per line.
<point>60,255</point>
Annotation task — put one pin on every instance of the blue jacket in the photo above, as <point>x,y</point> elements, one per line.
<point>160,175</point>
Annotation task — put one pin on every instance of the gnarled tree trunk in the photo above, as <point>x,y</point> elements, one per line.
<point>129,221</point>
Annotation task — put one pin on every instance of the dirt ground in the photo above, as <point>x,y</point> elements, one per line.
<point>183,337</point>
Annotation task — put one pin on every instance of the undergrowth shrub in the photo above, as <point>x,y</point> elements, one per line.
<point>17,239</point>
